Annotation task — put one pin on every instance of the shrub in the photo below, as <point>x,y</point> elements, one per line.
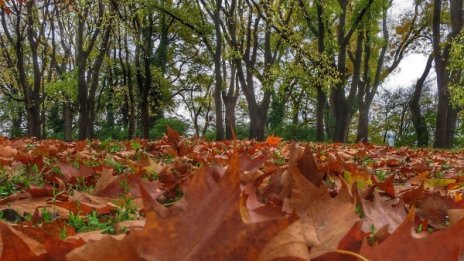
<point>292,131</point>
<point>159,128</point>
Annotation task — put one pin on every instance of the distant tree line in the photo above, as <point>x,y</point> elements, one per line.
<point>302,69</point>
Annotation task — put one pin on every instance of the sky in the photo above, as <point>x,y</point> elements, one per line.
<point>407,73</point>
<point>412,65</point>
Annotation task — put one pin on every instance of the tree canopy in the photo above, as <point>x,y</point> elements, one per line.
<point>224,69</point>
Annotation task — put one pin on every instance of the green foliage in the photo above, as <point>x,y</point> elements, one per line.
<point>456,67</point>
<point>241,132</point>
<point>14,180</point>
<point>47,216</point>
<point>277,113</point>
<point>290,131</point>
<point>159,128</point>
<point>87,223</point>
<point>106,133</point>
<point>63,89</point>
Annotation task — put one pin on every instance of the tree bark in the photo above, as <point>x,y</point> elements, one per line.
<point>217,73</point>
<point>341,106</point>
<point>130,90</point>
<point>446,114</point>
<point>87,81</point>
<point>321,96</point>
<point>442,79</point>
<point>417,118</point>
<point>230,99</point>
<point>67,117</point>
<point>143,57</point>
<point>160,60</point>
<point>33,110</point>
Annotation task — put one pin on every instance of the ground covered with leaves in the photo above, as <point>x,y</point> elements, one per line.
<point>183,199</point>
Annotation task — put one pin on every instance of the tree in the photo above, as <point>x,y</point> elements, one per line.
<point>24,27</point>
<point>93,28</point>
<point>446,113</point>
<point>383,55</point>
<point>418,119</point>
<point>256,56</point>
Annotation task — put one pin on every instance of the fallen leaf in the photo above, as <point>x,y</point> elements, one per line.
<point>14,245</point>
<point>323,221</point>
<point>206,224</point>
<point>402,245</point>
<point>307,166</point>
<point>380,213</point>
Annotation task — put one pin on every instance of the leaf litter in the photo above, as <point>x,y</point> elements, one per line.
<point>189,199</point>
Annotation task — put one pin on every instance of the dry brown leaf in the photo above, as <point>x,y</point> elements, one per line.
<point>15,245</point>
<point>402,245</point>
<point>381,212</point>
<point>307,166</point>
<point>323,222</point>
<point>205,226</point>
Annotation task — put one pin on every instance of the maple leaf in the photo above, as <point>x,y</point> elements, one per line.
<point>48,235</point>
<point>307,166</point>
<point>323,221</point>
<point>71,174</point>
<point>204,225</point>
<point>381,213</point>
<point>14,245</point>
<point>109,185</point>
<point>387,185</point>
<point>431,206</point>
<point>402,245</point>
<point>349,245</point>
<point>25,203</point>
<point>273,140</point>
<point>76,207</point>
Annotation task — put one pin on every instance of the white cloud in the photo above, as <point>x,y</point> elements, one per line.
<point>407,73</point>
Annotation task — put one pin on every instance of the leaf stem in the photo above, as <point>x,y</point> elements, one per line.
<point>346,252</point>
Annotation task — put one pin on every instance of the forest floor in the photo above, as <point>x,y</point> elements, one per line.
<point>185,199</point>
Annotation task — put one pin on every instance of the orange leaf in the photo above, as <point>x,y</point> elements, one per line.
<point>273,140</point>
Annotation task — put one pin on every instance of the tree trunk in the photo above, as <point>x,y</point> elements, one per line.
<point>363,124</point>
<point>321,102</point>
<point>82,97</point>
<point>110,109</point>
<point>148,79</point>
<point>257,125</point>
<point>230,121</point>
<point>34,116</point>
<point>451,126</point>
<point>329,121</point>
<point>367,90</point>
<point>88,78</point>
<point>131,131</point>
<point>127,81</point>
<point>321,97</point>
<point>417,118</point>
<point>145,117</point>
<point>16,122</point>
<point>217,73</point>
<point>445,127</point>
<point>160,60</point>
<point>67,117</point>
<point>230,99</point>
<point>343,106</point>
